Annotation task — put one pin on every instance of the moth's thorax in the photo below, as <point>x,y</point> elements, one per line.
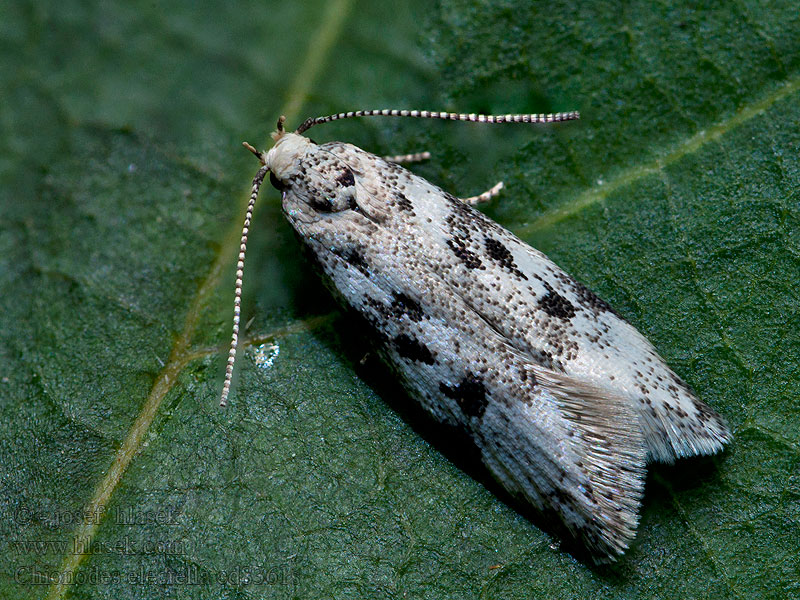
<point>317,184</point>
<point>285,157</point>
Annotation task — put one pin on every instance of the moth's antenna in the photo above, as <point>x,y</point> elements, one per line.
<point>426,114</point>
<point>237,298</point>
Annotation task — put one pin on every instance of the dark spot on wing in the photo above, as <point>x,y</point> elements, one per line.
<point>378,306</point>
<point>590,300</point>
<point>355,259</point>
<point>546,359</point>
<point>452,200</point>
<point>346,178</point>
<point>403,305</point>
<point>461,209</point>
<point>411,348</point>
<point>402,201</point>
<point>464,254</point>
<point>555,305</point>
<point>470,393</point>
<point>500,253</point>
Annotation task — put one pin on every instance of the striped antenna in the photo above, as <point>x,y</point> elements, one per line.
<point>237,299</point>
<point>447,116</point>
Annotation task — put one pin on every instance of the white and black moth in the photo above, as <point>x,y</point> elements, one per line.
<point>564,399</point>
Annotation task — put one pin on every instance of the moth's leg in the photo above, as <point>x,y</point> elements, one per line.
<point>408,158</point>
<point>485,196</point>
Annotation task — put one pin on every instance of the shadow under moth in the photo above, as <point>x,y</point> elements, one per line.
<point>564,399</point>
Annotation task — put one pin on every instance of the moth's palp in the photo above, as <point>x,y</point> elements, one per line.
<point>252,149</point>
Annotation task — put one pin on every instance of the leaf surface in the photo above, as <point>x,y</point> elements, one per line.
<point>676,198</point>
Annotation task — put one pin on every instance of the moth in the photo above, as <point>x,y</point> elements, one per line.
<point>565,401</point>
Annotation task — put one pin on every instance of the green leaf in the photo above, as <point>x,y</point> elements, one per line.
<point>122,185</point>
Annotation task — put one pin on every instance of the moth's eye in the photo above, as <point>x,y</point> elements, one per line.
<point>276,183</point>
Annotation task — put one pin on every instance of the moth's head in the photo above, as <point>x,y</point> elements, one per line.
<point>284,158</point>
<point>319,186</point>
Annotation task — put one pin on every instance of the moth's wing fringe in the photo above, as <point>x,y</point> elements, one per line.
<point>593,478</point>
<point>670,439</point>
<point>615,446</point>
